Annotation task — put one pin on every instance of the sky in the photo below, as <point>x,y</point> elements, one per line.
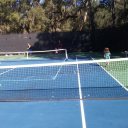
<point>41,1</point>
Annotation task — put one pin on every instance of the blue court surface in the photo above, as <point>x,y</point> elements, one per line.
<point>64,113</point>
<point>61,114</point>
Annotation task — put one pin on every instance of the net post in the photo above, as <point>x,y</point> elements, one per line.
<point>66,54</point>
<point>126,53</point>
<point>27,56</point>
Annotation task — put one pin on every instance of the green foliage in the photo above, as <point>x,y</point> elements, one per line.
<point>60,15</point>
<point>13,17</point>
<point>103,18</point>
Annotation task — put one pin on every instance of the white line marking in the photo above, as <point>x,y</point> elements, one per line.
<point>34,79</point>
<point>81,101</point>
<point>28,80</point>
<point>58,71</point>
<point>6,71</point>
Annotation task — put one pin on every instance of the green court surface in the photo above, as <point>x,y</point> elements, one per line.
<point>118,70</point>
<point>97,55</point>
<point>94,55</point>
<point>33,56</point>
<point>10,57</point>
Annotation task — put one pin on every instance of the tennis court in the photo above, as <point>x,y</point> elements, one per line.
<point>80,92</point>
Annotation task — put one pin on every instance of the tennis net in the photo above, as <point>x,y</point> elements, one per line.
<point>35,55</point>
<point>95,79</point>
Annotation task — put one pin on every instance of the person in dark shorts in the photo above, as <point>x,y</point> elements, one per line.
<point>29,49</point>
<point>59,45</point>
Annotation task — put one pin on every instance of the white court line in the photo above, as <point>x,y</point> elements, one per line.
<point>28,80</point>
<point>113,77</point>
<point>53,78</point>
<point>6,71</point>
<point>81,101</point>
<point>58,71</point>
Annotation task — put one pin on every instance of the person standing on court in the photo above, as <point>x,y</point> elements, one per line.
<point>29,49</point>
<point>56,52</point>
<point>107,55</point>
<point>59,45</point>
